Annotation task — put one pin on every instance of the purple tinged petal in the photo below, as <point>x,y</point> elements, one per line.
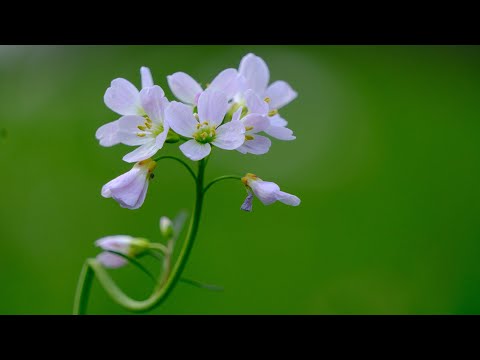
<point>146,76</point>
<point>226,82</point>
<point>128,130</point>
<point>230,135</point>
<point>255,72</point>
<point>123,97</point>
<point>194,150</point>
<point>108,134</point>
<point>257,122</point>
<point>265,191</point>
<point>255,104</point>
<point>259,145</point>
<point>280,94</point>
<point>212,107</point>
<point>184,87</point>
<point>154,103</point>
<point>247,204</point>
<point>110,260</point>
<point>180,118</point>
<point>236,115</point>
<point>277,120</point>
<point>287,198</point>
<point>280,133</point>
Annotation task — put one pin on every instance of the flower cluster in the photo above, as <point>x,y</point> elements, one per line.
<point>230,113</point>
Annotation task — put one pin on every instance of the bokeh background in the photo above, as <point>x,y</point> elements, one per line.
<point>386,163</point>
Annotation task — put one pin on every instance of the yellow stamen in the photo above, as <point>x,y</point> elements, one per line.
<point>248,128</point>
<point>141,134</point>
<point>140,127</point>
<point>273,112</point>
<point>148,125</point>
<point>267,99</point>
<point>249,137</point>
<point>203,135</point>
<point>198,125</point>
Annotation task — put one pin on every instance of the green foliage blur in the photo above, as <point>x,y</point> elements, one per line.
<point>386,163</point>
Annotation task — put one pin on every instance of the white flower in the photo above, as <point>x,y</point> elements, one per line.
<point>130,189</point>
<point>123,98</point>
<point>187,90</point>
<point>149,131</point>
<point>268,192</point>
<point>253,123</point>
<point>204,129</point>
<point>122,244</point>
<point>254,75</point>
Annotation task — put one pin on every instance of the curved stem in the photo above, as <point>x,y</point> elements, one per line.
<point>164,288</point>
<point>226,177</point>
<point>83,289</point>
<point>157,159</point>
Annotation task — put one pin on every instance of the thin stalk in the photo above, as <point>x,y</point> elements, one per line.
<point>221,178</point>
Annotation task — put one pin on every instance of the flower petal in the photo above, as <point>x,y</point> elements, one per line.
<point>184,87</point>
<point>280,133</point>
<point>120,182</point>
<point>154,103</point>
<point>147,150</point>
<point>212,106</point>
<point>277,120</point>
<point>257,122</point>
<point>287,198</point>
<point>119,243</point>
<point>259,145</point>
<point>247,204</point>
<point>108,134</point>
<point>255,104</point>
<point>226,82</point>
<point>230,135</point>
<point>280,94</point>
<point>128,130</point>
<point>180,118</point>
<point>265,191</point>
<point>146,76</point>
<point>194,150</point>
<point>123,98</point>
<point>110,260</point>
<point>255,72</point>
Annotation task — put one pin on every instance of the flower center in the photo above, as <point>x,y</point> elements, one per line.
<point>205,133</point>
<point>149,128</point>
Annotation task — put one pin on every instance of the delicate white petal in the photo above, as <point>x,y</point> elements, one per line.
<point>277,120</point>
<point>255,72</point>
<point>194,150</point>
<point>128,130</point>
<point>257,122</point>
<point>242,149</point>
<point>236,115</point>
<point>287,198</point>
<point>121,181</point>
<point>280,133</point>
<point>258,146</point>
<point>265,191</point>
<point>255,104</point>
<point>108,134</point>
<point>129,189</point>
<point>149,149</point>
<point>111,261</point>
<point>154,103</point>
<point>212,107</point>
<point>226,82</point>
<point>119,243</point>
<point>180,118</point>
<point>146,75</point>
<point>123,98</point>
<point>184,87</point>
<point>280,94</point>
<point>247,204</point>
<point>230,135</point>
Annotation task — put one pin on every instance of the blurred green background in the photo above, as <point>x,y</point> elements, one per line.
<point>386,163</point>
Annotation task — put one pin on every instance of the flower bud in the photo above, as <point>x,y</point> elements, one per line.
<point>122,244</point>
<point>166,227</point>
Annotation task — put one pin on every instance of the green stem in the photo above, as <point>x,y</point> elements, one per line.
<point>157,159</point>
<point>162,290</point>
<point>226,177</point>
<point>83,289</point>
